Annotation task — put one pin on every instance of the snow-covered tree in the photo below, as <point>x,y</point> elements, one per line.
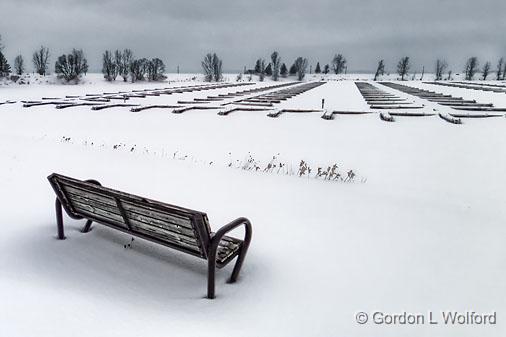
<point>403,67</point>
<point>275,61</point>
<point>41,60</point>
<point>212,66</point>
<point>326,69</point>
<point>72,66</point>
<point>19,65</point>
<point>338,64</point>
<point>301,67</point>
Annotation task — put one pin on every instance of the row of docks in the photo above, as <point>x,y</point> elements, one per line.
<point>97,100</point>
<point>457,103</point>
<point>473,86</point>
<point>380,99</point>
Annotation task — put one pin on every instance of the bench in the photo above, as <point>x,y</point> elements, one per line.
<point>172,226</point>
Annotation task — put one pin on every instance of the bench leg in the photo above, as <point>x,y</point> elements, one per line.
<point>238,264</point>
<point>211,271</point>
<point>59,220</point>
<point>87,226</point>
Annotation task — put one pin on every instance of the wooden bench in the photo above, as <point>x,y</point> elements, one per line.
<point>179,228</point>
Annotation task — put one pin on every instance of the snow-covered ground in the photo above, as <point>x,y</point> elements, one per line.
<point>422,229</point>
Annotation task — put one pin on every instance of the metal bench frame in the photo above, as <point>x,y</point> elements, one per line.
<point>209,242</point>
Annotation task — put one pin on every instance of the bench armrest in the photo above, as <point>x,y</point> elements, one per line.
<point>213,248</point>
<point>229,227</point>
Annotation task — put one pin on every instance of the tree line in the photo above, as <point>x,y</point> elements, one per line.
<point>442,71</point>
<point>70,67</point>
<point>124,64</point>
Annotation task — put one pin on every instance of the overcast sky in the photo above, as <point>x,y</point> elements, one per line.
<point>181,32</point>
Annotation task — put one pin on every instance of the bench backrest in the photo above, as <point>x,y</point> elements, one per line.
<point>180,228</point>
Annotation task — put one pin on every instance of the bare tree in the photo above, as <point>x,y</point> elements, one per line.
<point>41,60</point>
<point>126,61</point>
<point>72,66</point>
<point>276,61</point>
<point>156,70</point>
<point>441,66</point>
<point>499,69</point>
<point>138,69</point>
<point>108,66</point>
<point>19,65</point>
<point>212,66</point>
<point>380,70</point>
<point>118,57</point>
<point>486,70</point>
<point>301,67</point>
<point>403,67</point>
<point>1,44</point>
<point>471,68</point>
<point>338,63</point>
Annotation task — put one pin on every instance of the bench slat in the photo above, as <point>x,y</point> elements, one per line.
<point>99,214</point>
<point>175,211</point>
<point>145,210</point>
<point>140,219</point>
<point>129,206</point>
<point>166,236</point>
<point>138,227</point>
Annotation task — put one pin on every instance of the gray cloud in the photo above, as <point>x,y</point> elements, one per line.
<point>181,32</point>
